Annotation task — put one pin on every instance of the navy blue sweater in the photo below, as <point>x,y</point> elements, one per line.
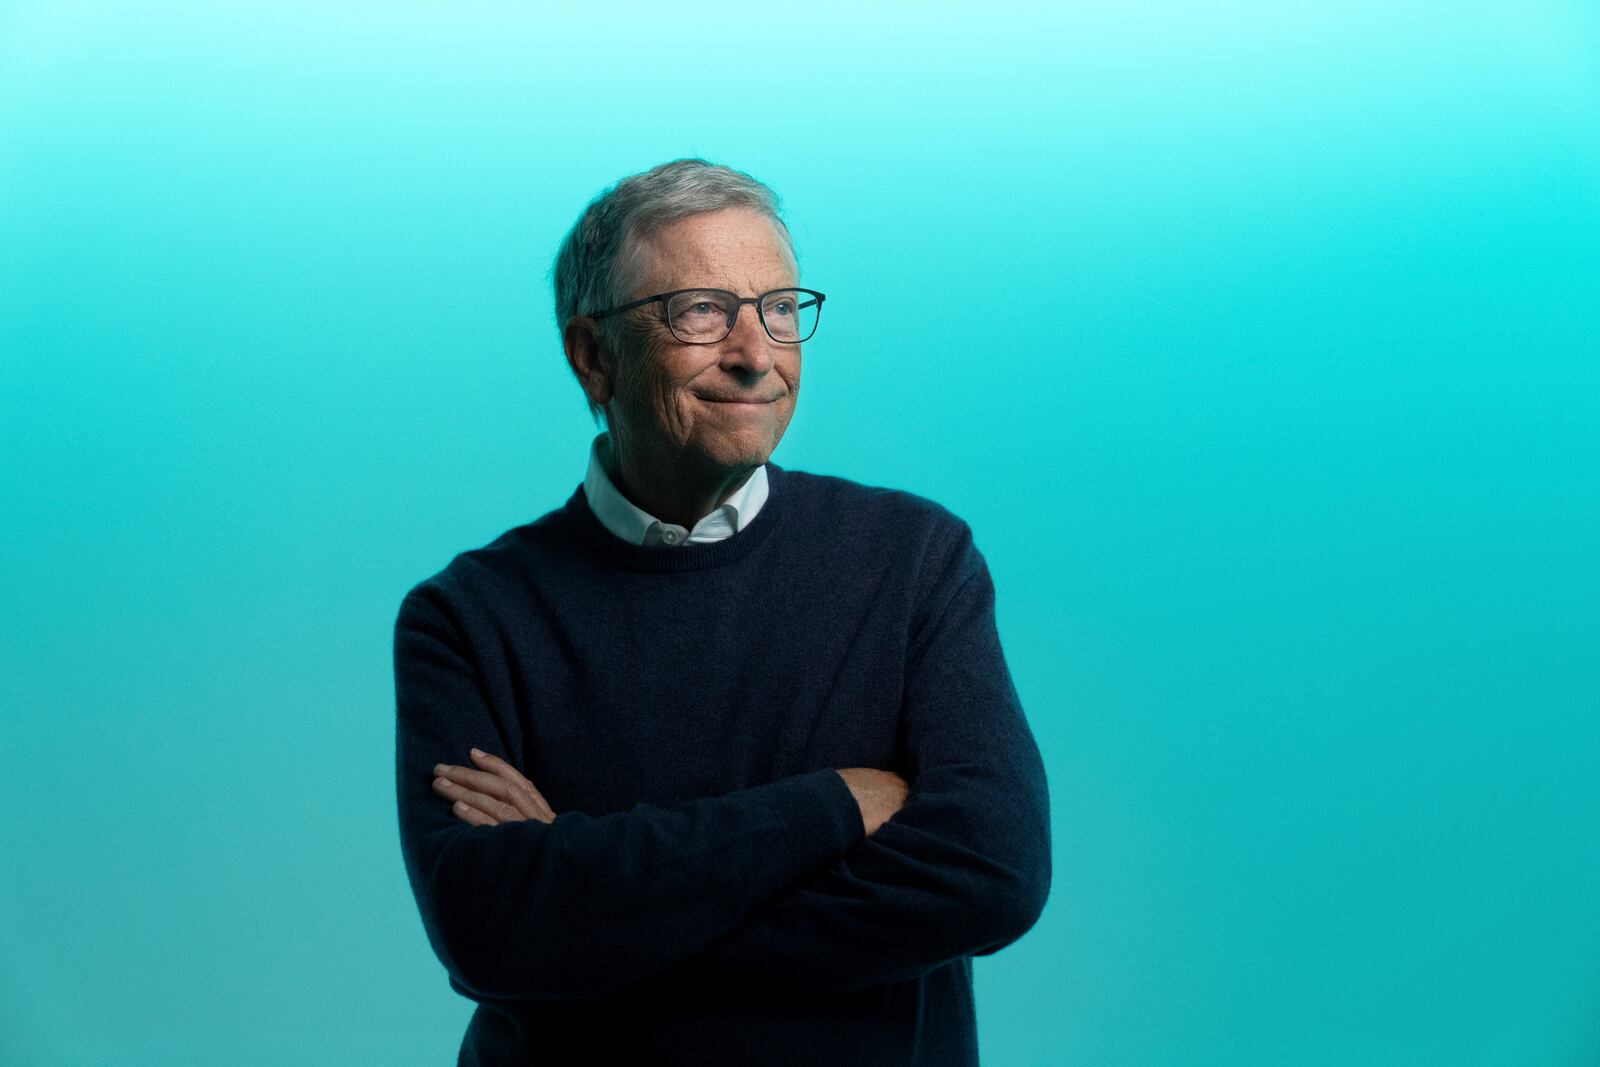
<point>707,893</point>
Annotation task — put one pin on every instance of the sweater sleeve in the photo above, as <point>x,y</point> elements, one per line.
<point>963,869</point>
<point>584,905</point>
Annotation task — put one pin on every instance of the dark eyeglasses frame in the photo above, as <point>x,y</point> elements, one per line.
<point>733,316</point>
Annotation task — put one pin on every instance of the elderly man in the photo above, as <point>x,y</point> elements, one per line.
<point>718,762</point>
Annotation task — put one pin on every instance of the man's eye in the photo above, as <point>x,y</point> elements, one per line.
<point>701,308</point>
<point>782,307</point>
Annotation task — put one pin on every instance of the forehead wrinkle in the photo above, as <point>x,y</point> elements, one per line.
<point>703,271</point>
<point>779,276</point>
<point>694,264</point>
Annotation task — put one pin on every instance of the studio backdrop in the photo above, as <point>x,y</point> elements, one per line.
<point>1255,341</point>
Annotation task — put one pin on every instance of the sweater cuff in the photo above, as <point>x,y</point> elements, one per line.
<point>820,817</point>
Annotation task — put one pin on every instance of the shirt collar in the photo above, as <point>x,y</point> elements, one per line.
<point>636,526</point>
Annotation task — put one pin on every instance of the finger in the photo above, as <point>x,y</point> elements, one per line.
<point>542,809</point>
<point>491,785</point>
<point>467,813</point>
<point>492,806</point>
<point>505,796</point>
<point>497,766</point>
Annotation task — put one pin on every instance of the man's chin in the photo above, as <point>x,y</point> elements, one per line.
<point>743,450</point>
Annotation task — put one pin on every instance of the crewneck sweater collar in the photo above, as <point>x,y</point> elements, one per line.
<point>662,559</point>
<point>635,525</point>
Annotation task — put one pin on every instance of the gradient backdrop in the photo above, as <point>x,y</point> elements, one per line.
<point>1257,342</point>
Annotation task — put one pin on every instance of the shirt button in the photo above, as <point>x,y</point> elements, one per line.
<point>670,537</point>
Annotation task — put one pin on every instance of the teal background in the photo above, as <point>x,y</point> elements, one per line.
<point>1257,342</point>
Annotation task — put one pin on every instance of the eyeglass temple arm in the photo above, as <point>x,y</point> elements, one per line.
<point>622,307</point>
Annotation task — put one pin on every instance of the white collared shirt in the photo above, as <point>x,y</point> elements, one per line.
<point>638,527</point>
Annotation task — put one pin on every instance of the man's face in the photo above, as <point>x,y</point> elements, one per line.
<point>703,407</point>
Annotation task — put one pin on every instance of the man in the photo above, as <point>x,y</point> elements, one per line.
<point>718,762</point>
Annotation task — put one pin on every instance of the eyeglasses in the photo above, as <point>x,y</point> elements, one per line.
<point>706,316</point>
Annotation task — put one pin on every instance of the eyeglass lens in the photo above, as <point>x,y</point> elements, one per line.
<point>705,315</point>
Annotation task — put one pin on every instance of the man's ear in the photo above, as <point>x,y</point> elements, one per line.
<point>581,341</point>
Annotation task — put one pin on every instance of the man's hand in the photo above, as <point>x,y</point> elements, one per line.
<point>498,793</point>
<point>878,793</point>
<point>501,794</point>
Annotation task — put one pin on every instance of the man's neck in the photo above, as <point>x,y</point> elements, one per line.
<point>675,496</point>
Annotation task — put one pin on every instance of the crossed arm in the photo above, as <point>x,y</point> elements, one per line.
<point>778,887</point>
<point>499,793</point>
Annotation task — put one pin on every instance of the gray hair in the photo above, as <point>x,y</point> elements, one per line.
<point>598,265</point>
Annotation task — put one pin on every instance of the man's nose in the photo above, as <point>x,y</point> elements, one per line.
<point>747,345</point>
